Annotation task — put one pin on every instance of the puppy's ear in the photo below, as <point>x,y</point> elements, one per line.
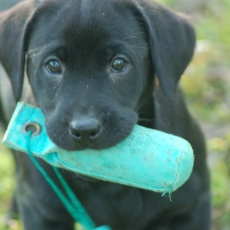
<point>13,26</point>
<point>172,41</point>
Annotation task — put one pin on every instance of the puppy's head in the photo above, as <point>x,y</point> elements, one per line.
<point>89,63</point>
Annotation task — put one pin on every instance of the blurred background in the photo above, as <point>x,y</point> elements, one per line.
<point>206,83</point>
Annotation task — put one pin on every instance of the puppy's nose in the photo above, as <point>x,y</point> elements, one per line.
<point>87,129</point>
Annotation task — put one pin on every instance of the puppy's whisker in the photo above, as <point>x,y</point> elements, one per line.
<point>152,121</point>
<point>146,119</point>
<point>35,49</point>
<point>126,129</point>
<point>132,36</point>
<point>137,53</point>
<point>34,55</point>
<point>58,83</point>
<point>139,47</point>
<point>143,109</point>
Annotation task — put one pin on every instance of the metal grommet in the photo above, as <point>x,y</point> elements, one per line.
<point>34,127</point>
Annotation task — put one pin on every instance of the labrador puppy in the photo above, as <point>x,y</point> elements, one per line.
<point>96,68</point>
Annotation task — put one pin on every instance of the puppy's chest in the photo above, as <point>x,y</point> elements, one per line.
<point>116,205</point>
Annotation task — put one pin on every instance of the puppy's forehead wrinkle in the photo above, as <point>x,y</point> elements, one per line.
<point>96,15</point>
<point>85,6</point>
<point>89,25</point>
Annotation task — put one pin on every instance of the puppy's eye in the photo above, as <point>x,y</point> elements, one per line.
<point>53,66</point>
<point>119,65</point>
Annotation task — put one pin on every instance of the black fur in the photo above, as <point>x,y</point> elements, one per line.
<point>89,105</point>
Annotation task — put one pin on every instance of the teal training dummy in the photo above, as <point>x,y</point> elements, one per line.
<point>146,159</point>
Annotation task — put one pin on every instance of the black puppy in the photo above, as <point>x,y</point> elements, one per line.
<point>92,67</point>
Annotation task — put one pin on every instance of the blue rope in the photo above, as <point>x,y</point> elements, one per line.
<point>71,203</point>
<point>85,219</point>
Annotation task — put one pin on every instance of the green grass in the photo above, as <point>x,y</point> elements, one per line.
<point>6,185</point>
<point>207,87</point>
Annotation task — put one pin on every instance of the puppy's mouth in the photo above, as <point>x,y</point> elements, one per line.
<point>105,141</point>
<point>91,134</point>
